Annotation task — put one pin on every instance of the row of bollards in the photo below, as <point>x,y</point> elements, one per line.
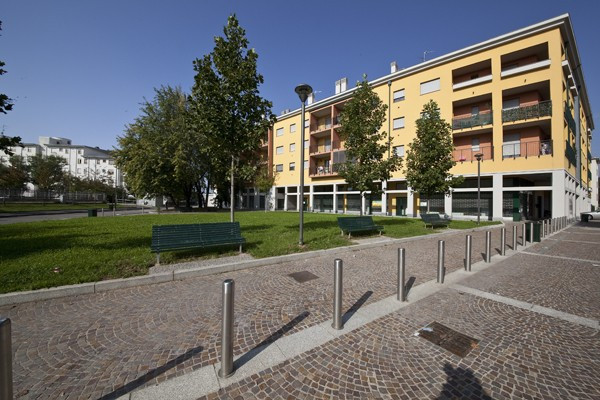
<point>6,382</point>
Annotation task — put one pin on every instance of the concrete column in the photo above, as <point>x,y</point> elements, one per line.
<point>410,200</point>
<point>559,198</point>
<point>497,197</point>
<point>312,198</point>
<point>285,194</point>
<point>384,198</point>
<point>335,200</point>
<point>448,204</point>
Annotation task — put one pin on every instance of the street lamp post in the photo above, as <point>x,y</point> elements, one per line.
<point>478,156</point>
<point>303,90</point>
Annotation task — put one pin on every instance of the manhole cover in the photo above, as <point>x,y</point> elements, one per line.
<point>303,276</point>
<point>447,338</point>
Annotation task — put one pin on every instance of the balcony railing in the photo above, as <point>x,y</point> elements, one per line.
<point>324,170</point>
<point>472,121</point>
<point>541,109</point>
<point>570,119</point>
<point>462,155</point>
<point>335,145</point>
<point>527,149</point>
<point>322,148</point>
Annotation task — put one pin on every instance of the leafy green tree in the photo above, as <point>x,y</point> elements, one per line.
<point>6,104</point>
<point>429,156</point>
<point>227,106</point>
<point>149,152</point>
<point>47,172</point>
<point>265,179</point>
<point>14,176</point>
<point>366,151</point>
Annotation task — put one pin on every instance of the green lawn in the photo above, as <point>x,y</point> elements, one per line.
<point>51,253</point>
<point>17,207</point>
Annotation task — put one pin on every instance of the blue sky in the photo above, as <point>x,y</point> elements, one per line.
<point>79,69</point>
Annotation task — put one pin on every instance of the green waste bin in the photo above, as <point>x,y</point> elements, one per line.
<point>537,228</point>
<point>92,212</point>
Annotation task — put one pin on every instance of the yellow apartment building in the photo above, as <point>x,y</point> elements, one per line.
<point>518,99</point>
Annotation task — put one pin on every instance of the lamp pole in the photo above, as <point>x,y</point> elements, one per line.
<point>303,90</point>
<point>478,156</point>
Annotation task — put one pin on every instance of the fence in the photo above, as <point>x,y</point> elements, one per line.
<point>50,196</point>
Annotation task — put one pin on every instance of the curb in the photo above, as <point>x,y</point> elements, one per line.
<point>144,280</point>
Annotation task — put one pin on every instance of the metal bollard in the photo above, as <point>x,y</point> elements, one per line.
<point>103,212</point>
<point>401,292</point>
<point>6,381</point>
<point>142,209</point>
<point>523,234</point>
<point>503,241</point>
<point>338,323</point>
<point>530,232</point>
<point>514,243</point>
<point>227,330</point>
<point>543,229</point>
<point>441,270</point>
<point>488,247</point>
<point>468,246</point>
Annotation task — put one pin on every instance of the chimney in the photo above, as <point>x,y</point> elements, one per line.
<point>286,111</point>
<point>341,85</point>
<point>393,67</point>
<point>310,99</point>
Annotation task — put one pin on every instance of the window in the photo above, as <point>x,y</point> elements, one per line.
<point>279,168</point>
<point>306,144</point>
<point>292,147</point>
<point>306,123</point>
<point>398,95</point>
<point>279,150</point>
<point>399,123</point>
<point>430,86</point>
<point>29,149</point>
<point>399,151</point>
<point>510,104</point>
<point>279,132</point>
<point>85,160</point>
<point>512,145</point>
<point>79,151</point>
<point>292,128</point>
<point>79,161</point>
<point>292,166</point>
<point>305,164</point>
<point>475,144</point>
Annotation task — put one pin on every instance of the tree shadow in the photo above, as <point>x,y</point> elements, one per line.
<point>315,225</point>
<point>256,350</point>
<point>356,306</point>
<point>148,376</point>
<point>461,383</point>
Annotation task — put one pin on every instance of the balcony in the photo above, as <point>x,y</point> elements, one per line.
<point>324,170</point>
<point>541,109</point>
<point>472,82</point>
<point>527,149</point>
<point>510,71</point>
<point>478,120</point>
<point>320,149</point>
<point>569,118</point>
<point>462,155</point>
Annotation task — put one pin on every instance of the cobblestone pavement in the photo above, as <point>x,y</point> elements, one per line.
<point>520,355</point>
<point>107,344</point>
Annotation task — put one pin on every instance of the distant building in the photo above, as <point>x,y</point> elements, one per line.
<point>84,162</point>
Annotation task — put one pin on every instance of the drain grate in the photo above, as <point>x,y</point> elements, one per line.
<point>303,276</point>
<point>448,339</point>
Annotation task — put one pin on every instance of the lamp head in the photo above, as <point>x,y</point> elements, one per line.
<point>303,91</point>
<point>479,156</point>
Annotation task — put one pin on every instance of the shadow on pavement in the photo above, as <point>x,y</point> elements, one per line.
<point>153,373</point>
<point>409,284</point>
<point>356,306</point>
<point>461,383</point>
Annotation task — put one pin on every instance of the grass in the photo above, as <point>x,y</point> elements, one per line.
<point>52,253</point>
<point>19,207</point>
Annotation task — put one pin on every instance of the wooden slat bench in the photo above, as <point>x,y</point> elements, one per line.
<point>194,236</point>
<point>357,224</point>
<point>434,220</point>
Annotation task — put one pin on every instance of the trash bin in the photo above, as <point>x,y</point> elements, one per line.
<point>516,217</point>
<point>92,212</point>
<point>537,228</point>
<point>585,217</point>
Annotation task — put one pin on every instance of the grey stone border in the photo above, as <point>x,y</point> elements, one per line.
<point>103,286</point>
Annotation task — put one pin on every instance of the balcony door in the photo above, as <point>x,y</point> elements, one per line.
<point>512,145</point>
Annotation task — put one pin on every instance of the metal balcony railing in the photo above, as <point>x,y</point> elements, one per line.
<point>541,109</point>
<point>472,121</point>
<point>462,155</point>
<point>569,118</point>
<point>527,149</point>
<point>321,148</point>
<point>323,170</point>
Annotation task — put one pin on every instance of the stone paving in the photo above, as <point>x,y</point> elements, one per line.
<point>107,344</point>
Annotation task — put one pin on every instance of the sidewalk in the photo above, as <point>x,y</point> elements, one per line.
<point>124,340</point>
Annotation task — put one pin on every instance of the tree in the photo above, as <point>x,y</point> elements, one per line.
<point>149,152</point>
<point>227,106</point>
<point>429,156</point>
<point>365,164</point>
<point>47,172</point>
<point>6,104</point>
<point>264,181</point>
<point>14,176</point>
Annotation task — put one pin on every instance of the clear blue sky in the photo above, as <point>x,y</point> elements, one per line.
<point>79,69</point>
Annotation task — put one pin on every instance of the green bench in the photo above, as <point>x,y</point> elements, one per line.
<point>434,220</point>
<point>357,224</point>
<point>194,236</point>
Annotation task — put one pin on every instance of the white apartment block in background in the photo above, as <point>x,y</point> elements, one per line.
<point>84,162</point>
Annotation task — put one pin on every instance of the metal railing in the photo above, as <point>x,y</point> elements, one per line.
<point>527,149</point>
<point>321,148</point>
<point>569,118</point>
<point>541,109</point>
<point>472,121</point>
<point>462,155</point>
<point>323,170</point>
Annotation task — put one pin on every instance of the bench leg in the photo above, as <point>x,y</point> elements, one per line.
<point>157,258</point>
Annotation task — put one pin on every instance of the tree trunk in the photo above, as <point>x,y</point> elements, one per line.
<point>232,194</point>
<point>428,201</point>
<point>207,192</point>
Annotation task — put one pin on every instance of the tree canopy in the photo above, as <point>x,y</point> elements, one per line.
<point>47,172</point>
<point>6,104</point>
<point>366,163</point>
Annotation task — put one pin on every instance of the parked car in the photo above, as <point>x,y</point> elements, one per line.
<point>592,215</point>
